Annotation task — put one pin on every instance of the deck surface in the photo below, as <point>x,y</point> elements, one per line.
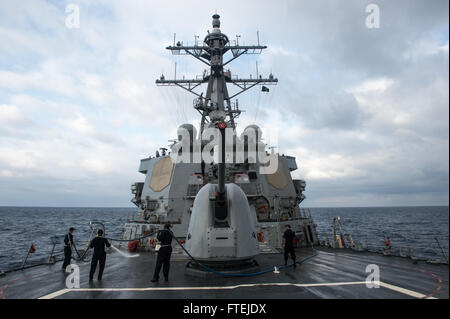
<point>331,274</point>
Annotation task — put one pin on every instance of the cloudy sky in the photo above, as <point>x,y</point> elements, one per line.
<point>364,110</point>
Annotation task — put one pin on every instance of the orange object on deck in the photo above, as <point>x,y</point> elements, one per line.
<point>260,236</point>
<point>152,242</point>
<point>133,245</point>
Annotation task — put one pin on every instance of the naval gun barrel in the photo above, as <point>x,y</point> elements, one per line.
<point>221,165</point>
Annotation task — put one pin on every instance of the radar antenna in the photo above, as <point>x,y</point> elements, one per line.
<point>216,105</point>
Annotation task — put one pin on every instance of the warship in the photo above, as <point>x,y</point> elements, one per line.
<point>228,199</point>
<point>170,189</point>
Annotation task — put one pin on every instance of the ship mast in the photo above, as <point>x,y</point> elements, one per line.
<point>215,106</point>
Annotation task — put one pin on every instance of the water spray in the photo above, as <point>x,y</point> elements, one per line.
<point>124,254</point>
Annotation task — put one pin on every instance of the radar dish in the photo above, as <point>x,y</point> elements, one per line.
<point>161,174</point>
<point>278,179</point>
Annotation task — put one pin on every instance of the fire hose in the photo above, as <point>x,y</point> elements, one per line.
<point>316,252</point>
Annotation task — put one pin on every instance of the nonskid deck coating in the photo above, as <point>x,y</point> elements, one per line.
<point>331,274</point>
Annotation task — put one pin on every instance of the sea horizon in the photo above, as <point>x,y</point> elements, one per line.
<point>414,225</point>
<point>395,206</point>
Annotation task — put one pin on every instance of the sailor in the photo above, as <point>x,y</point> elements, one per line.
<point>163,260</point>
<point>98,243</point>
<point>68,243</point>
<point>288,244</point>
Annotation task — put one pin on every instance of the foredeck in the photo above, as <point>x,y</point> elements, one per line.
<point>331,274</point>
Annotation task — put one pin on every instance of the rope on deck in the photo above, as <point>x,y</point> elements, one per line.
<point>316,252</point>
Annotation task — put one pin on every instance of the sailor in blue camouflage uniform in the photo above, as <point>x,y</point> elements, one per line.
<point>68,243</point>
<point>163,260</point>
<point>288,245</point>
<point>99,244</point>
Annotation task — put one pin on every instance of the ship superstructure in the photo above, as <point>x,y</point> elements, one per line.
<point>170,187</point>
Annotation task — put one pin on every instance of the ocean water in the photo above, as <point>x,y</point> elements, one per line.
<point>22,226</point>
<point>414,226</point>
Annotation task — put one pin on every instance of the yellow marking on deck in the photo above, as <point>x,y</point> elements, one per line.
<point>56,294</point>
<point>329,284</point>
<point>404,291</point>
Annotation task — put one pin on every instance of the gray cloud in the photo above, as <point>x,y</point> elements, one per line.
<point>364,110</point>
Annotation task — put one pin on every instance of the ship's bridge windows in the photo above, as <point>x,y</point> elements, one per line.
<point>241,178</point>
